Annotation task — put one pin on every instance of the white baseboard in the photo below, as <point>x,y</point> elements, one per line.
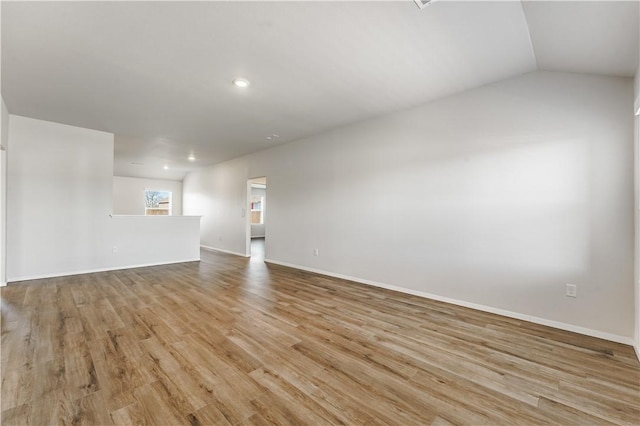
<point>93,271</point>
<point>636,347</point>
<point>3,283</point>
<point>224,251</point>
<point>542,321</point>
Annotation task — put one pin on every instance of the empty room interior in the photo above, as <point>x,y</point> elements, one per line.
<point>401,212</point>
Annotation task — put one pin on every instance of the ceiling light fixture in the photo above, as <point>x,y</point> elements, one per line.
<point>166,167</point>
<point>191,157</point>
<point>274,136</point>
<point>241,82</point>
<point>424,3</point>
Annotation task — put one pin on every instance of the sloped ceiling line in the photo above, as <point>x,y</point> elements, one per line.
<point>526,21</point>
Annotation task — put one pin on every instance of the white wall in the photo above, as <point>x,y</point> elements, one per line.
<point>4,126</point>
<point>58,197</point>
<point>4,145</point>
<point>636,157</point>
<point>4,129</point>
<point>637,211</point>
<point>219,195</point>
<point>149,240</point>
<point>128,194</point>
<point>496,197</point>
<point>258,230</point>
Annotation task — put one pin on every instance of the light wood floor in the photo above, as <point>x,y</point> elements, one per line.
<point>233,341</point>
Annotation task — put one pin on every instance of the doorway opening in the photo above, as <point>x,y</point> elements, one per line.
<point>257,222</point>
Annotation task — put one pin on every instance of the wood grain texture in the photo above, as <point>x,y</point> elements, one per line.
<point>234,341</point>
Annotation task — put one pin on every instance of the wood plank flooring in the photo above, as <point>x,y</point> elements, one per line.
<point>232,341</point>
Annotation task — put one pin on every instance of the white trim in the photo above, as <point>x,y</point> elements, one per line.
<point>542,321</point>
<point>173,216</point>
<point>636,347</point>
<point>224,251</point>
<point>93,271</point>
<point>3,283</point>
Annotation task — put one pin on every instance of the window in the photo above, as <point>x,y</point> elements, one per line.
<point>157,203</point>
<point>257,210</point>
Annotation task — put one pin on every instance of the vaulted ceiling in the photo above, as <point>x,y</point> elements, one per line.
<point>159,74</point>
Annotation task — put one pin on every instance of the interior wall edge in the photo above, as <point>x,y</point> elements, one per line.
<point>235,253</point>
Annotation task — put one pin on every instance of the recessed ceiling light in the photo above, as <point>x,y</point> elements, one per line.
<point>191,158</point>
<point>166,167</point>
<point>272,137</point>
<point>241,82</point>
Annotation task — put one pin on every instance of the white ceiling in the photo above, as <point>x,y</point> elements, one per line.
<point>595,37</point>
<point>158,74</point>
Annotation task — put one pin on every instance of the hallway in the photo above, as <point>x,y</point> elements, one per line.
<point>257,250</point>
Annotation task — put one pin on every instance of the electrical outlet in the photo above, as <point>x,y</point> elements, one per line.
<point>316,252</point>
<point>114,249</point>
<point>572,290</point>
